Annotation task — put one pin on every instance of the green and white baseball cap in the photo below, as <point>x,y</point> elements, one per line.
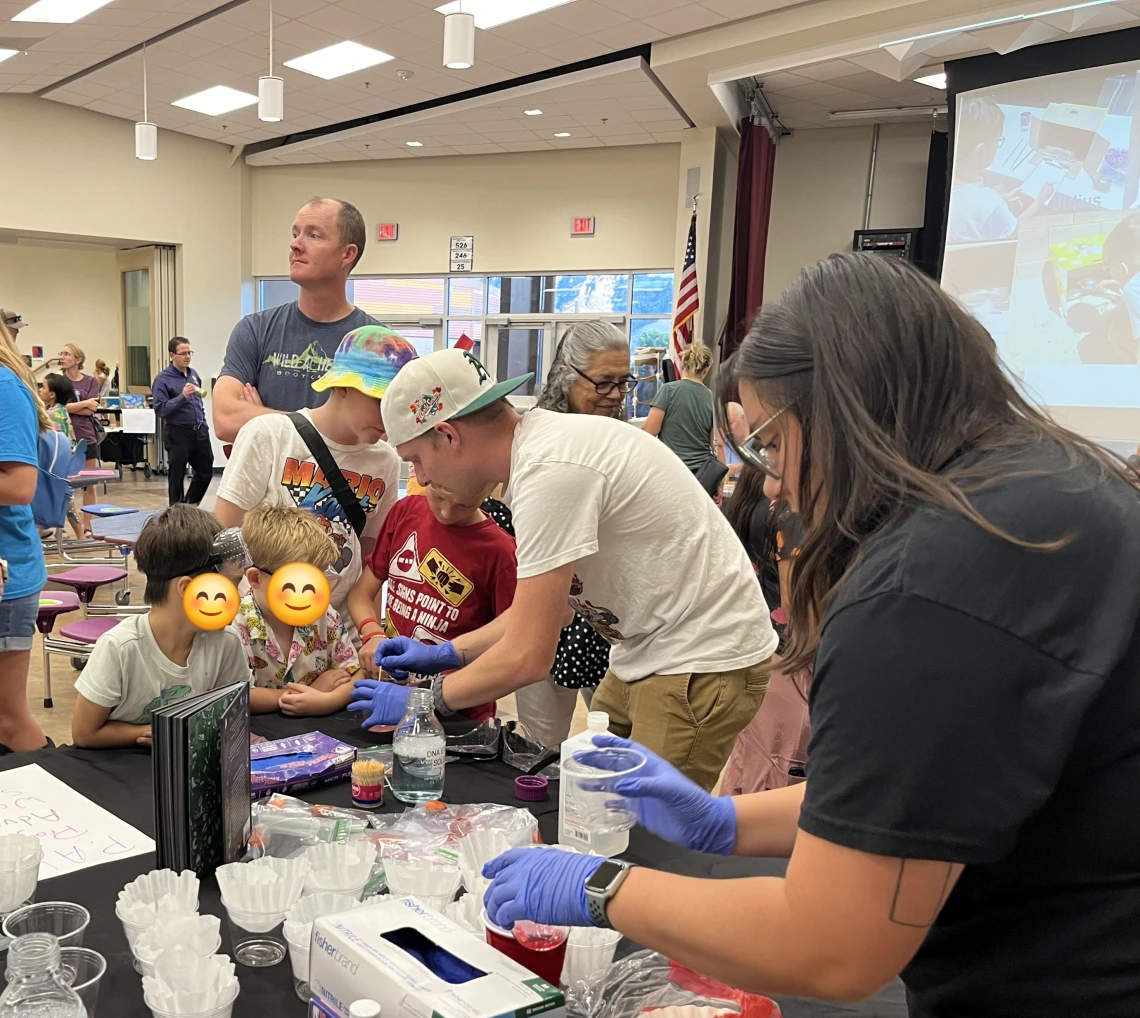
<point>443,385</point>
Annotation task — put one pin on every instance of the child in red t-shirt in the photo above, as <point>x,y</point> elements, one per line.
<point>450,569</point>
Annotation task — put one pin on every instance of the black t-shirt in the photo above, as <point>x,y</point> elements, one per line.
<point>979,703</point>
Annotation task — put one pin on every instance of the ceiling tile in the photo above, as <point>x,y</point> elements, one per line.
<point>576,49</point>
<point>690,18</point>
<point>340,22</point>
<point>220,34</point>
<point>640,9</point>
<point>585,16</point>
<point>526,62</point>
<point>476,150</point>
<point>535,32</point>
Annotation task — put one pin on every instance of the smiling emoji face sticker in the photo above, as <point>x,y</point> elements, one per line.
<point>298,594</point>
<point>210,601</point>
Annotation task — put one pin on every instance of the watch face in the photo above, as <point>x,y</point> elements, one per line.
<point>603,876</point>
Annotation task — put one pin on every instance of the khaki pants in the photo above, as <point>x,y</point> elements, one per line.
<point>547,709</point>
<point>691,720</point>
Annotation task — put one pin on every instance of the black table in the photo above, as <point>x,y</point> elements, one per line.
<point>120,781</point>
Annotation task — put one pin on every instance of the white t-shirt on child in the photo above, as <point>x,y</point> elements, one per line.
<point>658,569</point>
<point>979,213</point>
<point>129,673</point>
<point>271,465</point>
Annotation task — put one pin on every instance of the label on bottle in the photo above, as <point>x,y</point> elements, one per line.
<point>367,795</point>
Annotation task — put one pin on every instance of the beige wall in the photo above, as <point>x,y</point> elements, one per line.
<point>76,174</point>
<point>70,294</point>
<point>820,191</point>
<point>518,208</point>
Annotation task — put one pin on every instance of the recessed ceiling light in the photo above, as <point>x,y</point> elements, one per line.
<point>216,101</point>
<point>414,144</point>
<point>561,134</point>
<point>933,80</point>
<point>6,53</point>
<point>533,113</point>
<point>338,60</point>
<point>60,12</point>
<point>489,13</point>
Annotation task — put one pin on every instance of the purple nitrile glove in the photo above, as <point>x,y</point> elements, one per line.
<point>665,801</point>
<point>402,654</point>
<point>386,701</point>
<point>543,885</point>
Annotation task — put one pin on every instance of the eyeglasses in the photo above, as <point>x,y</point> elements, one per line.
<point>754,452</point>
<point>607,388</point>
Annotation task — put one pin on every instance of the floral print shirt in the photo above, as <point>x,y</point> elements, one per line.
<point>316,648</point>
<point>61,421</point>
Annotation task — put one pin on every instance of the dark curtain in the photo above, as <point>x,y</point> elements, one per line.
<point>750,237</point>
<point>934,221</point>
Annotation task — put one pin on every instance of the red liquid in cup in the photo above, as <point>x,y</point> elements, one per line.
<point>542,949</point>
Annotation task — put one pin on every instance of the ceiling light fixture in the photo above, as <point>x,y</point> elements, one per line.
<point>60,12</point>
<point>997,21</point>
<point>270,88</point>
<point>489,13</point>
<point>414,144</point>
<point>213,102</point>
<point>146,133</point>
<point>561,134</point>
<point>934,80</point>
<point>889,113</point>
<point>533,113</point>
<point>6,53</point>
<point>459,39</point>
<point>339,59</point>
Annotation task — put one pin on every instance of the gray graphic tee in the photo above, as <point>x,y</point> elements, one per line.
<point>282,352</point>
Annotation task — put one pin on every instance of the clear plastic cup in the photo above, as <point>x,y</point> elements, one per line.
<point>63,919</point>
<point>589,955</point>
<point>20,858</point>
<point>256,938</point>
<point>299,959</point>
<point>221,1011</point>
<point>593,797</point>
<point>83,970</point>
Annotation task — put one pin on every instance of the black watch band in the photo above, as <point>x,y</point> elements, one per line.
<point>601,886</point>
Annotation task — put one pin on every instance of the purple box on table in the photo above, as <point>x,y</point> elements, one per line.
<point>298,763</point>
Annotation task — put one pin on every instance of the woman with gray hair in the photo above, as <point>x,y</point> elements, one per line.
<point>590,375</point>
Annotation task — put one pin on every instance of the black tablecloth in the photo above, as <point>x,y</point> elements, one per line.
<point>120,781</point>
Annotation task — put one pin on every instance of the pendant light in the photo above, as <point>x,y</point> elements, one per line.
<point>146,133</point>
<point>270,88</point>
<point>459,40</point>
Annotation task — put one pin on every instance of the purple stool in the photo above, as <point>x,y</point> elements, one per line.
<point>74,641</point>
<point>88,579</point>
<point>53,603</point>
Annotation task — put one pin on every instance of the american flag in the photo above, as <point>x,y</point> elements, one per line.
<point>688,299</point>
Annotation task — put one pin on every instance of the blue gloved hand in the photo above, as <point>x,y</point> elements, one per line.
<point>544,885</point>
<point>666,802</point>
<point>386,701</point>
<point>402,654</point>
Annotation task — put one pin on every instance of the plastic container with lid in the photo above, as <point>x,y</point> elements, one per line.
<point>572,828</point>
<point>364,1009</point>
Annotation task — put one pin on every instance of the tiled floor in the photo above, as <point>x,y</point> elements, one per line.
<point>135,491</point>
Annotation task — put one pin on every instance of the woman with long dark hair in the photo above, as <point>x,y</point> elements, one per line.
<point>967,589</point>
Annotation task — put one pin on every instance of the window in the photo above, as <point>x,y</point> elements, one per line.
<point>462,304</point>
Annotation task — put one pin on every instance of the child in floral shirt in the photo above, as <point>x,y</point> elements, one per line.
<point>302,670</point>
<point>57,391</point>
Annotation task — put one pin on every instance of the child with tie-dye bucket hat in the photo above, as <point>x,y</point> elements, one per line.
<point>273,464</point>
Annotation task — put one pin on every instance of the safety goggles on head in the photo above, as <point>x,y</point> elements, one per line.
<point>229,555</point>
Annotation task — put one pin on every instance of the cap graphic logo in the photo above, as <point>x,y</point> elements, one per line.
<point>428,405</point>
<point>479,369</point>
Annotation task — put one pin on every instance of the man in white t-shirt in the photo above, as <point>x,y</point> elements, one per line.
<point>271,463</point>
<point>148,661</point>
<point>609,524</point>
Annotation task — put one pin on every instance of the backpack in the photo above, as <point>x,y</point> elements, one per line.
<point>53,494</point>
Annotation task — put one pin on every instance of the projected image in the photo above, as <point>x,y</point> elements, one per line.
<point>1043,243</point>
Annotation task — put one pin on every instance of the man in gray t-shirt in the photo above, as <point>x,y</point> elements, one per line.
<point>274,356</point>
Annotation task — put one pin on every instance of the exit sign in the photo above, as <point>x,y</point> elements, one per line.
<point>582,226</point>
<point>388,231</point>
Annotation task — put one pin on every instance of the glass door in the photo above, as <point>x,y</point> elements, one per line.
<point>137,327</point>
<point>425,334</point>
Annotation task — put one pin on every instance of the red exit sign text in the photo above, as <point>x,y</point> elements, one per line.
<point>582,226</point>
<point>388,231</point>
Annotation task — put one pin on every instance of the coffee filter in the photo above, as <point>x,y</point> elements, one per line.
<point>478,849</point>
<point>298,928</point>
<point>153,887</point>
<point>186,984</point>
<point>201,935</point>
<point>263,886</point>
<point>431,877</point>
<point>466,912</point>
<point>344,867</point>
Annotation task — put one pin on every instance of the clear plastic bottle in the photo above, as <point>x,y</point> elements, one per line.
<point>36,987</point>
<point>571,831</point>
<point>419,748</point>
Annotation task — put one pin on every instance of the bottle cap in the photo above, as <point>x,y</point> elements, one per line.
<point>364,1009</point>
<point>598,721</point>
<point>531,789</point>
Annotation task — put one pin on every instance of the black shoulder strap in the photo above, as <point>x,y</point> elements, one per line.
<point>340,488</point>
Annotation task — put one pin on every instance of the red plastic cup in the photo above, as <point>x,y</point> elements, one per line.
<point>532,946</point>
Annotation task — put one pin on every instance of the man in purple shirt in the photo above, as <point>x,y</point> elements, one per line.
<point>177,393</point>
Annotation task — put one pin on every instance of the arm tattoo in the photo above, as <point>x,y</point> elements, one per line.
<point>921,891</point>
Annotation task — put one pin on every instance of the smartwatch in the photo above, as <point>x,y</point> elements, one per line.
<point>601,885</point>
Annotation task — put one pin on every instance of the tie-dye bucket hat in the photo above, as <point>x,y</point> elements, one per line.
<point>367,359</point>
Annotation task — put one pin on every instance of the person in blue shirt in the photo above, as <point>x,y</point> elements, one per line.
<point>23,573</point>
<point>177,397</point>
